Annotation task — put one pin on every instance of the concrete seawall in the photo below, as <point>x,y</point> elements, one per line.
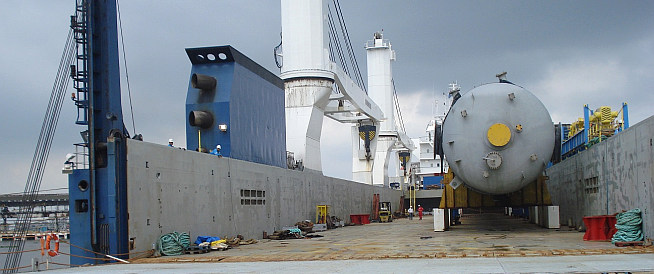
<point>170,189</point>
<point>609,177</point>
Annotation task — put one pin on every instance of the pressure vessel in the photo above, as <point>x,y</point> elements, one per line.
<point>498,138</point>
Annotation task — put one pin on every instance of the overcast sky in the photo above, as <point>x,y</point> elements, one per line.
<point>568,53</point>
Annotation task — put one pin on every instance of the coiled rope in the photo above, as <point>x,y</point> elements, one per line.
<point>629,226</point>
<point>173,244</point>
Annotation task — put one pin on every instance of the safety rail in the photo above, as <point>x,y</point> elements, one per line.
<point>426,139</point>
<point>81,160</point>
<point>50,248</point>
<point>575,144</point>
<point>50,225</point>
<point>372,44</point>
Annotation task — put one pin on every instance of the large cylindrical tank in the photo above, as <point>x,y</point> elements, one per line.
<point>498,138</point>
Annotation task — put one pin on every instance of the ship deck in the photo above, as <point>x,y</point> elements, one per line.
<point>478,235</point>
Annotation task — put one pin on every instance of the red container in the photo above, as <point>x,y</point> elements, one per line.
<point>599,228</point>
<point>365,218</point>
<point>360,219</point>
<point>355,219</point>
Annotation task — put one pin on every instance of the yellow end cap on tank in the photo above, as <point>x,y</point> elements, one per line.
<point>499,135</point>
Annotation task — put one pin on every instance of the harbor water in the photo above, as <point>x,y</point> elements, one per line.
<point>45,262</point>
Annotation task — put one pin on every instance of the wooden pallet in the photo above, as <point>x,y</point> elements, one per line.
<point>621,244</point>
<point>196,250</point>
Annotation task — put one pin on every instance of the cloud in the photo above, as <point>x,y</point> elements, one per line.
<point>566,87</point>
<point>598,77</point>
<point>599,54</point>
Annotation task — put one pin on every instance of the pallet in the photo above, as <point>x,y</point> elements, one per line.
<point>196,250</point>
<point>622,244</point>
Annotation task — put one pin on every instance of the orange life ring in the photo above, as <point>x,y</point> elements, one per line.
<point>47,241</point>
<point>54,252</point>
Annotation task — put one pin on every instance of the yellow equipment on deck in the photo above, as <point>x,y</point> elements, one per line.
<point>322,211</point>
<point>385,213</point>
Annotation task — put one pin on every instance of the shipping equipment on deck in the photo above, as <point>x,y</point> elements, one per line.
<point>385,213</point>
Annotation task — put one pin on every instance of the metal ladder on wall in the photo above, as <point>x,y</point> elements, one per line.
<point>79,72</point>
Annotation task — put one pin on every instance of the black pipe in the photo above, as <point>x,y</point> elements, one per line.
<point>198,118</point>
<point>203,82</point>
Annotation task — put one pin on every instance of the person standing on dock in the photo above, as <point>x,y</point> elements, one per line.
<point>420,210</point>
<point>410,212</point>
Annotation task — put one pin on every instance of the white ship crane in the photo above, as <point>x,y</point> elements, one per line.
<point>315,87</point>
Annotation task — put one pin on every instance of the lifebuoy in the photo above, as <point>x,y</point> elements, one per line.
<point>54,252</point>
<point>47,241</point>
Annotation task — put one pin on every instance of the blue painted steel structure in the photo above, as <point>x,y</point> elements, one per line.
<point>577,142</point>
<point>625,117</point>
<point>243,97</point>
<point>98,209</point>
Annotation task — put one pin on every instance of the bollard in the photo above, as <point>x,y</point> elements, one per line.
<point>35,264</point>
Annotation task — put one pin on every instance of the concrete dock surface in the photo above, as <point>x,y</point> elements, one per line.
<point>482,243</point>
<point>618,263</point>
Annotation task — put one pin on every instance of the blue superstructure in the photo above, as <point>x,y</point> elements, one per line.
<point>234,102</point>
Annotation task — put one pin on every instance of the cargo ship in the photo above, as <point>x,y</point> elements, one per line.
<point>125,193</point>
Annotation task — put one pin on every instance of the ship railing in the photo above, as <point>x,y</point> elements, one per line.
<point>371,43</point>
<point>426,139</point>
<point>39,226</point>
<point>81,160</point>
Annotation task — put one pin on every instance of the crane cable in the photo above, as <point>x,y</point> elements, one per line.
<point>41,153</point>
<point>129,90</point>
<point>397,107</point>
<point>348,44</point>
<point>335,37</point>
<point>337,43</point>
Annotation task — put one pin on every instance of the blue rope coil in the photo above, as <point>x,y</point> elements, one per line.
<point>629,226</point>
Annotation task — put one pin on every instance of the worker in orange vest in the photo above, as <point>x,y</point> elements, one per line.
<point>420,209</point>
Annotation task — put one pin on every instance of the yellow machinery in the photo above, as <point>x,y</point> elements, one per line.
<point>322,211</point>
<point>602,123</point>
<point>385,212</point>
<point>575,127</point>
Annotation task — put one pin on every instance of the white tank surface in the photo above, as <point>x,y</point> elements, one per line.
<point>498,138</point>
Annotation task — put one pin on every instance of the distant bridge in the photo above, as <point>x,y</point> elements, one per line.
<point>16,200</point>
<point>45,204</point>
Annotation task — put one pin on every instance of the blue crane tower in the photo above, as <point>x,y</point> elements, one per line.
<point>98,195</point>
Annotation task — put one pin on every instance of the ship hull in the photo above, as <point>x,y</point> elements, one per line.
<point>607,178</point>
<point>171,189</point>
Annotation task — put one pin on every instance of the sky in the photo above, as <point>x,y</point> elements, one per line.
<point>567,53</point>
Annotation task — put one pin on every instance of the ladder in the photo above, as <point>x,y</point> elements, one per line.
<point>79,72</point>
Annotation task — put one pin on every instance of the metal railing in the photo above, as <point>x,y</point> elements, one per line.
<point>81,160</point>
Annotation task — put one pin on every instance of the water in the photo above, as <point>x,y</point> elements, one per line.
<point>26,259</point>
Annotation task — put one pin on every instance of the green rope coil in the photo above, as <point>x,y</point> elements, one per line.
<point>629,226</point>
<point>173,244</point>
